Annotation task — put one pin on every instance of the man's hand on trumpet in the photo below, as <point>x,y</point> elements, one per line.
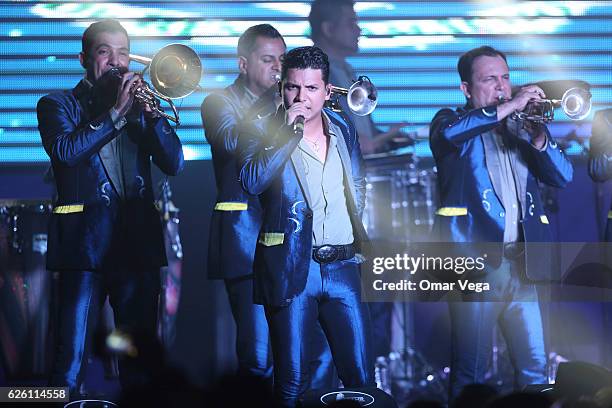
<point>526,95</point>
<point>130,92</point>
<point>125,92</point>
<point>536,132</point>
<point>150,105</point>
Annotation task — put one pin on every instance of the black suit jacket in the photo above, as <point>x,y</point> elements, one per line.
<point>471,209</point>
<point>600,163</point>
<point>92,227</point>
<point>236,218</point>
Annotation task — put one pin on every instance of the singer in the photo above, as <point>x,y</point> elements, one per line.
<point>105,235</point>
<point>305,163</point>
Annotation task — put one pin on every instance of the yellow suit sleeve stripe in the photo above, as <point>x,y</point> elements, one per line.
<point>451,211</point>
<point>230,206</point>
<point>68,209</point>
<point>271,238</point>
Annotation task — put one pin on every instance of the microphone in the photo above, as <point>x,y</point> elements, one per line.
<point>298,126</point>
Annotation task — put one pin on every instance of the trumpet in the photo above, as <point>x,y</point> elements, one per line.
<point>361,97</point>
<point>575,102</point>
<point>175,73</point>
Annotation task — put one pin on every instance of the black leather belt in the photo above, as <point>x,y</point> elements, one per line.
<point>514,250</point>
<point>330,253</point>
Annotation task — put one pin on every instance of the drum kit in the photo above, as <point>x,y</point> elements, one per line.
<point>24,287</point>
<point>401,195</point>
<point>171,274</point>
<point>400,198</point>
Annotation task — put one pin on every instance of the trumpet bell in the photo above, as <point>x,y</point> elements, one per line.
<point>175,71</point>
<point>576,103</point>
<point>362,97</point>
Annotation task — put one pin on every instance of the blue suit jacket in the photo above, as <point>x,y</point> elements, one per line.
<point>600,161</point>
<point>236,218</point>
<point>272,167</point>
<point>471,210</point>
<point>91,227</point>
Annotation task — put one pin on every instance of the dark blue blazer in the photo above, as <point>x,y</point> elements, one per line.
<point>272,167</point>
<point>600,162</point>
<point>91,228</point>
<point>470,207</point>
<point>236,217</point>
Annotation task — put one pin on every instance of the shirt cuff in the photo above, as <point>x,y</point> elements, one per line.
<point>543,147</point>
<point>118,121</point>
<point>542,128</point>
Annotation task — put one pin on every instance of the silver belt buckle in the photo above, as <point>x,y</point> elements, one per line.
<point>326,254</point>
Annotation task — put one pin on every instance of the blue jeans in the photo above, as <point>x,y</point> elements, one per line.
<point>332,298</point>
<point>513,304</point>
<point>252,338</point>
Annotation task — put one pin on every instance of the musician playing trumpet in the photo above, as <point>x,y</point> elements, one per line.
<point>489,166</point>
<point>105,236</point>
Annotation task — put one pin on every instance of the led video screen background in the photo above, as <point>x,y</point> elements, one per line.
<point>409,49</point>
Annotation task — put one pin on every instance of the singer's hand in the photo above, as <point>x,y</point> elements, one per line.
<point>295,110</point>
<point>125,95</point>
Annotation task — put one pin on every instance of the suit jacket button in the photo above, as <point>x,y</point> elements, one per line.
<point>501,214</point>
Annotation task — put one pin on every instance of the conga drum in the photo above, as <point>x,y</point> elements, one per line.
<point>25,288</point>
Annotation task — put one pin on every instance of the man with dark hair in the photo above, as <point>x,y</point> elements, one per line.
<point>236,217</point>
<point>489,165</point>
<point>600,165</point>
<point>600,170</point>
<point>306,165</point>
<point>600,152</point>
<point>465,64</point>
<point>105,235</point>
<point>334,29</point>
<point>251,38</point>
<point>109,26</point>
